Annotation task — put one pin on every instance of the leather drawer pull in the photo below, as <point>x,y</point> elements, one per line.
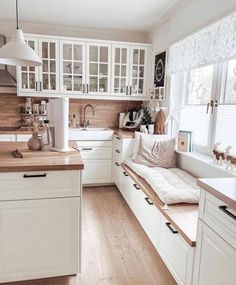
<point>117,164</point>
<point>118,138</point>
<point>148,201</point>
<point>172,230</point>
<point>224,209</point>
<point>136,186</point>
<point>117,151</point>
<point>125,174</point>
<point>34,175</point>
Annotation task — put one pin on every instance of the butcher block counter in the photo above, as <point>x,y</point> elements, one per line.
<point>9,163</point>
<point>40,215</point>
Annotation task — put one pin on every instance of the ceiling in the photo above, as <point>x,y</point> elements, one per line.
<point>130,15</point>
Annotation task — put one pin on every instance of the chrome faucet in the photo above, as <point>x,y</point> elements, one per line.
<point>87,123</point>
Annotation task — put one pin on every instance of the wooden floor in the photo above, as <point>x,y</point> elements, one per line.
<point>115,249</point>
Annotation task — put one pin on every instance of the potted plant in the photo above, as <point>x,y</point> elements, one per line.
<point>146,120</point>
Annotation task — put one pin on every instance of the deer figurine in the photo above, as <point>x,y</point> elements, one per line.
<point>218,152</point>
<point>230,156</point>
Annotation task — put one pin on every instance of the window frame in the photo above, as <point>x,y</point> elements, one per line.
<point>219,79</point>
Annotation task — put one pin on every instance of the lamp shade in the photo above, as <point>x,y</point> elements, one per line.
<point>17,52</point>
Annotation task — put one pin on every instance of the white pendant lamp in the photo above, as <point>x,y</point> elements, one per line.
<point>17,52</point>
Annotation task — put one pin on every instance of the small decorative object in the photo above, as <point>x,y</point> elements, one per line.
<point>230,157</point>
<point>184,141</point>
<point>34,143</point>
<point>143,129</point>
<point>147,117</point>
<point>159,128</point>
<point>218,152</point>
<point>173,115</point>
<point>151,129</point>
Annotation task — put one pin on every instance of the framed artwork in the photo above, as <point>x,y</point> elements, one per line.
<point>159,76</point>
<point>185,141</point>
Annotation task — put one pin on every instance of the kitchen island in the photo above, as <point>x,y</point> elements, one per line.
<point>40,215</point>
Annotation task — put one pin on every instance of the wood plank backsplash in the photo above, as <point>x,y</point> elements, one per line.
<point>106,111</point>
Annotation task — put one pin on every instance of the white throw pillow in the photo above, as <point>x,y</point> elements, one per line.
<point>137,136</point>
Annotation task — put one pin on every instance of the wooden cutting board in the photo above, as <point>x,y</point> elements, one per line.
<point>27,153</point>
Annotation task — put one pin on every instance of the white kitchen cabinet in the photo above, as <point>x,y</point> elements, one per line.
<point>130,70</point>
<point>7,138</point>
<point>146,213</point>
<point>23,138</point>
<point>84,68</point>
<point>98,68</point>
<point>43,79</point>
<point>72,67</point>
<point>176,253</point>
<point>97,158</point>
<point>39,238</point>
<point>216,259</point>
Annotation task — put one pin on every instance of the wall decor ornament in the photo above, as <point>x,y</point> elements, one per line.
<point>213,44</point>
<point>159,76</point>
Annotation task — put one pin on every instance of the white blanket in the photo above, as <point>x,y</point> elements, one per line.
<point>172,185</point>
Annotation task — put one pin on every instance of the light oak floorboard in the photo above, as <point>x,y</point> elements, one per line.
<point>115,249</point>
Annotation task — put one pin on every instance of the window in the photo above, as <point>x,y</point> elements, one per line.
<point>209,97</point>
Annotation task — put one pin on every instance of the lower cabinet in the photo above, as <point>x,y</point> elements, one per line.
<point>216,259</point>
<point>97,171</point>
<point>97,158</point>
<point>39,238</point>
<point>176,253</point>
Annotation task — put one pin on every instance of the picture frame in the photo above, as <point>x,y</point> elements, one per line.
<point>185,141</point>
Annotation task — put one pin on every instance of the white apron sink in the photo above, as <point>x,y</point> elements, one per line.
<point>90,134</point>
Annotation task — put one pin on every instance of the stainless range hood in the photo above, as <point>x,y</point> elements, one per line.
<point>6,79</point>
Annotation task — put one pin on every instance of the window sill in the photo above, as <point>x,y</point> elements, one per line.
<point>207,159</point>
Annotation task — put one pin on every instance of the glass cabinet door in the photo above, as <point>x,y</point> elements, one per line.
<point>98,68</point>
<point>28,75</point>
<point>120,70</point>
<point>49,72</point>
<point>73,67</point>
<point>138,70</point>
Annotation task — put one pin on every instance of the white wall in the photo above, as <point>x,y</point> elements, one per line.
<point>188,18</point>
<point>7,28</point>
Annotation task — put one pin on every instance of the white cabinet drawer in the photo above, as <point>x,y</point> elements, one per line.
<point>93,143</point>
<point>93,152</point>
<point>176,253</point>
<point>7,138</point>
<point>39,238</point>
<point>97,171</point>
<point>23,138</point>
<point>220,218</point>
<point>41,184</point>
<point>147,214</point>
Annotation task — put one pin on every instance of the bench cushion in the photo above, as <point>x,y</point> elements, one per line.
<point>172,185</point>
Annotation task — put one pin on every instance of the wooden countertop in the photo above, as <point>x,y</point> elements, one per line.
<point>222,188</point>
<point>183,217</point>
<point>8,163</point>
<point>15,131</point>
<point>124,134</point>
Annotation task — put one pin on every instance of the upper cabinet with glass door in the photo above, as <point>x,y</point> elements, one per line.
<point>98,68</point>
<point>129,71</point>
<point>86,69</point>
<point>138,71</point>
<point>72,67</point>
<point>45,78</point>
<point>28,76</point>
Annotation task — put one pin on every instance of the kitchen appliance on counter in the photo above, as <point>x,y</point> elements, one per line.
<point>133,119</point>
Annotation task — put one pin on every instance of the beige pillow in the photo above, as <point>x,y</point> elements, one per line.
<point>137,136</point>
<point>156,153</point>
